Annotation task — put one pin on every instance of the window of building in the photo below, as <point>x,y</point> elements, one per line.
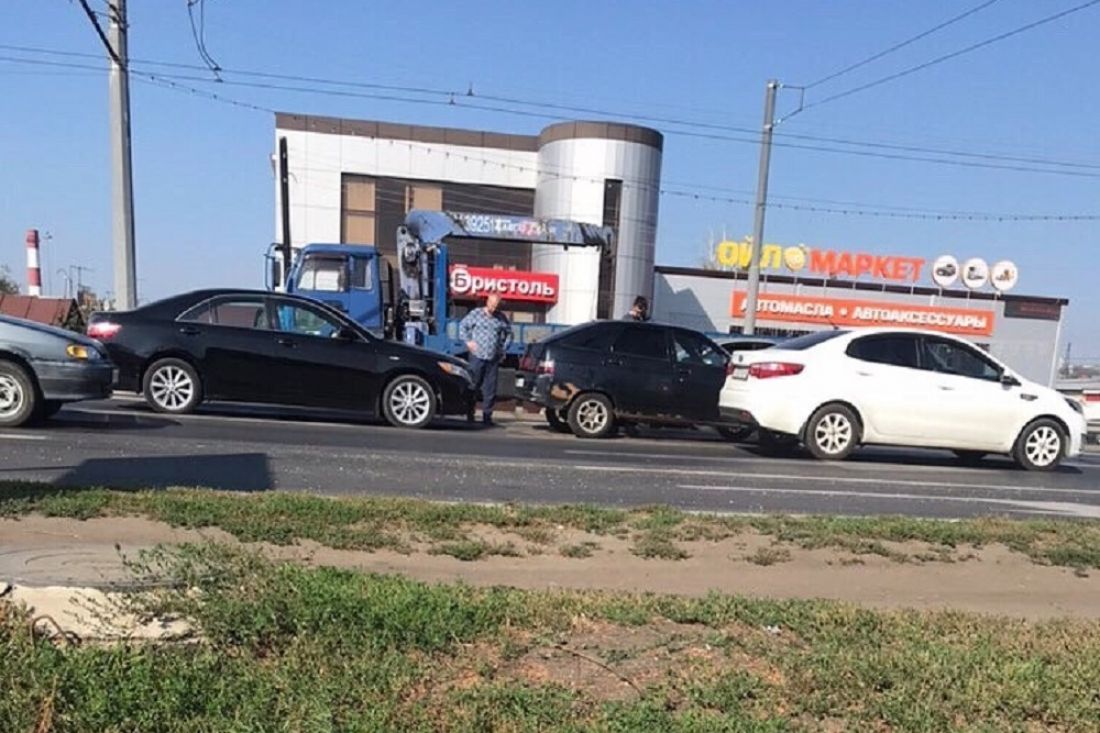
<point>358,210</point>
<point>612,210</point>
<point>650,343</point>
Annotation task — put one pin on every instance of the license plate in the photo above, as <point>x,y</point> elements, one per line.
<point>519,382</point>
<point>741,373</point>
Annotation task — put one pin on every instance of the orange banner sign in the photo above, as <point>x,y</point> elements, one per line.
<point>848,312</point>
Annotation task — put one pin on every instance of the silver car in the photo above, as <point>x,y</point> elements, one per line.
<point>42,368</point>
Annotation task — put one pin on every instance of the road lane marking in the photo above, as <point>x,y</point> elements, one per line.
<point>841,479</point>
<point>21,436</point>
<point>1045,507</point>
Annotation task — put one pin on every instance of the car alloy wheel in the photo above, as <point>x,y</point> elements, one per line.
<point>591,416</point>
<point>171,388</point>
<point>1043,446</point>
<point>12,396</point>
<point>18,397</point>
<point>408,402</point>
<point>832,433</point>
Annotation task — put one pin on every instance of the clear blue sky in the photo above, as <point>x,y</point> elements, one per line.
<point>204,186</point>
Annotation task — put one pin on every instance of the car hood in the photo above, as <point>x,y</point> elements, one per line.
<point>51,330</point>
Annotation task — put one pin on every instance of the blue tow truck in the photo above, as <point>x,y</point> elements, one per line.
<point>414,304</point>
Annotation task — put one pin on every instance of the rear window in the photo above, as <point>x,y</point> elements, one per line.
<point>596,338</point>
<point>801,343</point>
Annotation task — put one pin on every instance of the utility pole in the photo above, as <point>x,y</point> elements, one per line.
<point>284,195</point>
<point>749,326</point>
<point>122,191</point>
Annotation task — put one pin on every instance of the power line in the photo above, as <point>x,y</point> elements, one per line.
<point>199,34</point>
<point>952,55</point>
<point>465,99</point>
<point>901,45</point>
<point>102,35</point>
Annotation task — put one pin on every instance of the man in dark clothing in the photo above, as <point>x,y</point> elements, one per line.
<point>639,311</point>
<point>487,333</point>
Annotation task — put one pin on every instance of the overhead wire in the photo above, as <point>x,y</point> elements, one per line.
<point>901,45</point>
<point>953,55</point>
<point>460,99</point>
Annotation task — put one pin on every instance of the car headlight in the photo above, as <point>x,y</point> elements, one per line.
<point>1075,406</point>
<point>455,370</point>
<point>80,352</point>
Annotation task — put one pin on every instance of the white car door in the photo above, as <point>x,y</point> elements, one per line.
<point>980,412</point>
<point>897,399</point>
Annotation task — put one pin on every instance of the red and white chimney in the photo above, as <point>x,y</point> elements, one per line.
<point>34,270</point>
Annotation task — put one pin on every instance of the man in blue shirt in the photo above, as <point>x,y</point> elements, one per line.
<point>487,334</point>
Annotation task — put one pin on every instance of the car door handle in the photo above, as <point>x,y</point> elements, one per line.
<point>946,388</point>
<point>289,343</point>
<point>1028,397</point>
<point>190,331</point>
<point>683,372</point>
<point>863,374</point>
<point>612,362</point>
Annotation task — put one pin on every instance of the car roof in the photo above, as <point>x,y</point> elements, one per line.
<point>175,304</point>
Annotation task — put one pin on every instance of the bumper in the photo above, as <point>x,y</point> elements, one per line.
<point>456,397</point>
<point>71,382</point>
<point>541,390</point>
<point>756,407</point>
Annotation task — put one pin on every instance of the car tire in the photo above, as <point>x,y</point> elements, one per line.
<point>832,433</point>
<point>969,457</point>
<point>1041,445</point>
<point>558,423</point>
<point>172,386</point>
<point>408,402</point>
<point>591,415</point>
<point>734,435</point>
<point>18,395</point>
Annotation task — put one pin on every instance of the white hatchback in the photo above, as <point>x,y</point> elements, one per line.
<point>836,390</point>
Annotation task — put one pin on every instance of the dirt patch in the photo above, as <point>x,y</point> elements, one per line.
<point>54,551</point>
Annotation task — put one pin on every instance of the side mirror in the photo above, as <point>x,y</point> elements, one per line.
<point>1009,381</point>
<point>346,334</point>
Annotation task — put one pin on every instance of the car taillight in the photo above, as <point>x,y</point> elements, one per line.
<point>1094,397</point>
<point>769,369</point>
<point>103,330</point>
<point>546,366</point>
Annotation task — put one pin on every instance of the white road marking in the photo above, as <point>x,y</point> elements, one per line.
<point>21,436</point>
<point>839,479</point>
<point>1049,507</point>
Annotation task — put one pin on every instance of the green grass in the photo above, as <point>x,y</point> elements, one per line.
<point>769,556</point>
<point>656,532</point>
<point>580,550</point>
<point>290,648</point>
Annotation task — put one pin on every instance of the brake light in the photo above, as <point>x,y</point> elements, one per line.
<point>103,330</point>
<point>1092,397</point>
<point>769,369</point>
<point>546,366</point>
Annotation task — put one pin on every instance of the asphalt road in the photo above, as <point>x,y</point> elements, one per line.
<point>120,443</point>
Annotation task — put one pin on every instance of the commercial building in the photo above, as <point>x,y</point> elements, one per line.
<point>353,181</point>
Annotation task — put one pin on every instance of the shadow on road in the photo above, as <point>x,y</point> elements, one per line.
<point>230,472</point>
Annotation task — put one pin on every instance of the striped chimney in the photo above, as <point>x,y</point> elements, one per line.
<point>34,270</point>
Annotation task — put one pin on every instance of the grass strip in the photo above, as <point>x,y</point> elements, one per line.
<point>285,647</point>
<point>365,523</point>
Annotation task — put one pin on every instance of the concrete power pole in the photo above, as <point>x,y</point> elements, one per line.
<point>749,326</point>
<point>122,192</point>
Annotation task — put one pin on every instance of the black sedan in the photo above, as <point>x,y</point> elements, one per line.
<point>261,347</point>
<point>42,368</point>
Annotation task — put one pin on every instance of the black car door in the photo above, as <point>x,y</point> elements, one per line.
<point>229,338</point>
<point>700,366</point>
<point>322,361</point>
<point>640,370</point>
